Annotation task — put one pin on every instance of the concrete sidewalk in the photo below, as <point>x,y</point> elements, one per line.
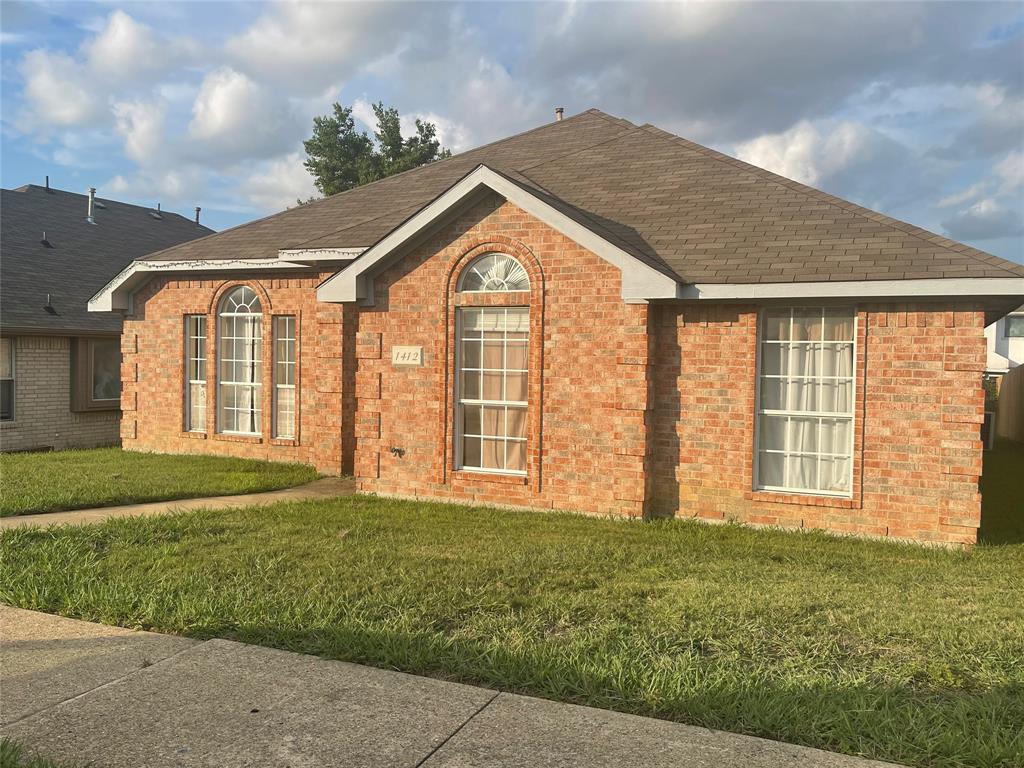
<point>87,693</point>
<point>324,488</point>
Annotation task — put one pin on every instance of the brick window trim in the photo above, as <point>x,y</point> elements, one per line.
<point>856,498</point>
<point>453,300</point>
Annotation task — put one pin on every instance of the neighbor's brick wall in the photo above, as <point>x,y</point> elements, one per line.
<point>918,414</point>
<point>42,407</point>
<point>153,371</point>
<point>588,386</point>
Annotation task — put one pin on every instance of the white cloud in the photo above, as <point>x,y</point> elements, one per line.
<point>958,198</point>
<point>985,220</point>
<point>1011,170</point>
<point>234,117</point>
<point>141,125</point>
<point>279,183</point>
<point>123,49</point>
<point>58,90</point>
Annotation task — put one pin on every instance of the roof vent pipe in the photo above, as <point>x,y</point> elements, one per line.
<point>559,112</point>
<point>92,203</point>
<point>198,209</point>
<point>47,183</point>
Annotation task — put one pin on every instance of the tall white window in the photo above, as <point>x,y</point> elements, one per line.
<point>6,379</point>
<point>195,373</point>
<point>805,413</point>
<point>492,388</point>
<point>240,362</point>
<point>284,377</point>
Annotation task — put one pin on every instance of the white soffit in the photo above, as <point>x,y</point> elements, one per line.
<point>317,255</point>
<point>640,281</point>
<point>855,289</point>
<point>116,295</point>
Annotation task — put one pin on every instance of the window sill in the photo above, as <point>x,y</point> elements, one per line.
<point>194,435</point>
<point>225,438</point>
<point>469,476</point>
<point>289,441</point>
<point>803,499</point>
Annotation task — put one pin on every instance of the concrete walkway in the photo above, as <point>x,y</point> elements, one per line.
<point>324,488</point>
<point>86,693</point>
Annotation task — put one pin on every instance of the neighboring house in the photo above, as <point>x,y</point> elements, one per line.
<point>592,316</point>
<point>1005,339</point>
<point>60,366</point>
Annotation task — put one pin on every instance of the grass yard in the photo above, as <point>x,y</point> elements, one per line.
<point>103,477</point>
<point>892,651</point>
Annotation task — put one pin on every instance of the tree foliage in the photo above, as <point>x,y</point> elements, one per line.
<point>339,157</point>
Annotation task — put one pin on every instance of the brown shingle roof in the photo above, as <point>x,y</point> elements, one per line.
<point>705,216</point>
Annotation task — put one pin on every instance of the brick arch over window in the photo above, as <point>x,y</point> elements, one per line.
<point>453,301</point>
<point>229,285</point>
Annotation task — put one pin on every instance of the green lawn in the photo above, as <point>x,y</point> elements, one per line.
<point>892,651</point>
<point>102,477</point>
<point>12,755</point>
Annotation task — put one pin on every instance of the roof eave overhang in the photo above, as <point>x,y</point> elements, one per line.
<point>319,256</point>
<point>930,288</point>
<point>116,295</point>
<point>640,281</point>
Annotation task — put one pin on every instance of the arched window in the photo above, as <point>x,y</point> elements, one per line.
<point>494,273</point>
<point>240,362</point>
<point>493,370</point>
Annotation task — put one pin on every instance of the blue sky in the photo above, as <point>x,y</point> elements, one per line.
<point>913,109</point>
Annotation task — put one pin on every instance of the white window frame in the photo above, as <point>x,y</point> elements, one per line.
<point>760,412</point>
<point>292,323</point>
<point>201,361</point>
<point>506,404</point>
<point>12,343</point>
<point>257,383</point>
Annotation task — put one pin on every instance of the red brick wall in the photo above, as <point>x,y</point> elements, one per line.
<point>588,384</point>
<point>919,407</point>
<point>634,409</point>
<point>153,371</point>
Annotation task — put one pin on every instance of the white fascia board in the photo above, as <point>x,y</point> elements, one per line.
<point>310,255</point>
<point>640,281</point>
<point>116,295</point>
<point>957,287</point>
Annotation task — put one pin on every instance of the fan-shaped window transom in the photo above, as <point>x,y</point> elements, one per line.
<point>494,273</point>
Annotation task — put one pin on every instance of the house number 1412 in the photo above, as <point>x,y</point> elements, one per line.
<point>407,355</point>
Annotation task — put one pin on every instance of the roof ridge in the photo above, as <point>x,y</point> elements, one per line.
<point>386,178</point>
<point>871,215</point>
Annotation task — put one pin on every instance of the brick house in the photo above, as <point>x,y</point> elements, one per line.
<point>60,365</point>
<point>592,316</point>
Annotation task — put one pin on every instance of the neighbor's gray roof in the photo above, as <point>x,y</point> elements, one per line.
<point>704,216</point>
<point>84,257</point>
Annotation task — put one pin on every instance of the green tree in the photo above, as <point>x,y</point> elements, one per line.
<point>339,157</point>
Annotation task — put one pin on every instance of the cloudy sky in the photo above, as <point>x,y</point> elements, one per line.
<point>913,109</point>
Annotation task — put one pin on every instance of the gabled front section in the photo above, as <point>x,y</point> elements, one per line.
<point>501,346</point>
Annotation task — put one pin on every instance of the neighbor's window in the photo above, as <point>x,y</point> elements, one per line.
<point>240,362</point>
<point>195,373</point>
<point>284,377</point>
<point>6,379</point>
<point>805,416</point>
<point>95,374</point>
<point>1015,326</point>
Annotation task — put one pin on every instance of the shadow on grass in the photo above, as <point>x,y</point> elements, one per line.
<point>1002,495</point>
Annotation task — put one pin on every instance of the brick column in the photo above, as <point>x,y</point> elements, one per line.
<point>633,399</point>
